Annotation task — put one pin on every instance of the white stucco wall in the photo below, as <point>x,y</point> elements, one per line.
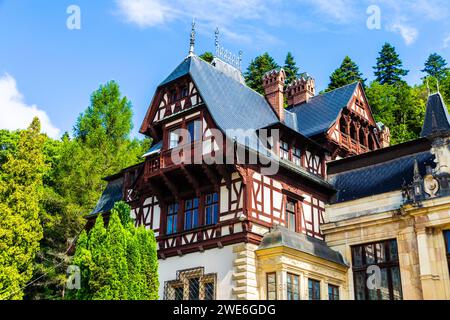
<point>218,261</point>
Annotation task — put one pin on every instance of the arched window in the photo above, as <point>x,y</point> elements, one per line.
<point>353,133</point>
<point>343,125</point>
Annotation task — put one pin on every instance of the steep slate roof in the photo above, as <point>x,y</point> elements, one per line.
<point>378,178</point>
<point>232,104</point>
<point>283,237</point>
<point>110,195</point>
<point>436,117</point>
<point>320,112</point>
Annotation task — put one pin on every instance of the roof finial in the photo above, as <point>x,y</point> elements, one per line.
<point>216,43</point>
<point>240,59</point>
<point>192,42</point>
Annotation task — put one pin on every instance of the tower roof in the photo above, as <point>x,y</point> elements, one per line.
<point>437,120</point>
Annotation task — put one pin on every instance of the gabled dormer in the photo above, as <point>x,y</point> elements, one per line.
<point>342,121</point>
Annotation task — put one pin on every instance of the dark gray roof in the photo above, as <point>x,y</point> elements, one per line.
<point>110,196</point>
<point>231,103</point>
<point>436,117</point>
<point>155,148</point>
<point>381,177</point>
<point>320,112</point>
<point>283,237</point>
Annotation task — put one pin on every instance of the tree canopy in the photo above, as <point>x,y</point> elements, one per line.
<point>347,73</point>
<point>291,68</point>
<point>435,66</point>
<point>389,67</point>
<point>117,262</point>
<point>21,190</point>
<point>256,70</point>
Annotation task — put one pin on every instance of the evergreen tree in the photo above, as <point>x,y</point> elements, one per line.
<point>101,147</point>
<point>346,74</point>
<point>21,190</point>
<point>291,69</point>
<point>118,262</point>
<point>435,66</point>
<point>256,70</point>
<point>389,66</point>
<point>399,107</point>
<point>207,56</point>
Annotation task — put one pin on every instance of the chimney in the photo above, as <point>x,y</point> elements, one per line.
<point>273,83</point>
<point>301,90</point>
<point>385,136</point>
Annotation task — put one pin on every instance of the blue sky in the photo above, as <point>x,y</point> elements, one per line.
<point>50,71</point>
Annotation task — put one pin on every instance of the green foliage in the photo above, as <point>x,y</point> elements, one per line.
<point>8,144</point>
<point>291,69</point>
<point>435,66</point>
<point>207,56</point>
<point>118,262</point>
<point>256,70</point>
<point>389,66</point>
<point>399,107</point>
<point>101,147</point>
<point>346,74</point>
<point>21,190</point>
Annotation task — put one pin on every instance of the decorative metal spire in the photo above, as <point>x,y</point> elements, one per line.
<point>217,39</point>
<point>192,40</point>
<point>225,55</point>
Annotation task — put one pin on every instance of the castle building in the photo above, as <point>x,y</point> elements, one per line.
<point>339,202</point>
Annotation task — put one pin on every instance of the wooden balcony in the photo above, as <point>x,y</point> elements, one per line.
<point>352,145</point>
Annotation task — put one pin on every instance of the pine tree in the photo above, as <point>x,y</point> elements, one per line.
<point>435,66</point>
<point>291,69</point>
<point>389,66</point>
<point>118,262</point>
<point>346,74</point>
<point>21,190</point>
<point>207,56</point>
<point>256,70</point>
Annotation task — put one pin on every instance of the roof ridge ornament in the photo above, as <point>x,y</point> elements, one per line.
<point>192,39</point>
<point>226,55</point>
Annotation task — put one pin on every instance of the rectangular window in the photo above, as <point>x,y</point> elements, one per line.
<point>178,292</point>
<point>271,279</point>
<point>209,291</point>
<point>172,216</point>
<point>384,256</point>
<point>333,292</point>
<point>284,150</point>
<point>194,289</point>
<point>195,130</point>
<point>191,214</point>
<point>290,215</point>
<point>297,156</point>
<point>212,208</point>
<point>293,287</point>
<point>172,96</point>
<point>447,246</point>
<point>313,289</point>
<point>184,92</point>
<point>174,138</point>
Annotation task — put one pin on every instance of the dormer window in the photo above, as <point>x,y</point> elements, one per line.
<point>284,150</point>
<point>184,92</point>
<point>174,138</point>
<point>297,156</point>
<point>172,96</point>
<point>195,130</point>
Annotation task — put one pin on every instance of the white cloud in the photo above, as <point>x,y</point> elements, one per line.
<point>446,42</point>
<point>16,114</point>
<point>408,33</point>
<point>146,13</point>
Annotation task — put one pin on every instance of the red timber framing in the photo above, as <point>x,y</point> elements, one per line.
<point>300,151</point>
<point>355,131</point>
<point>245,198</point>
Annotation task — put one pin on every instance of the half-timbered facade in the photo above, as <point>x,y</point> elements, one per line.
<point>233,229</point>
